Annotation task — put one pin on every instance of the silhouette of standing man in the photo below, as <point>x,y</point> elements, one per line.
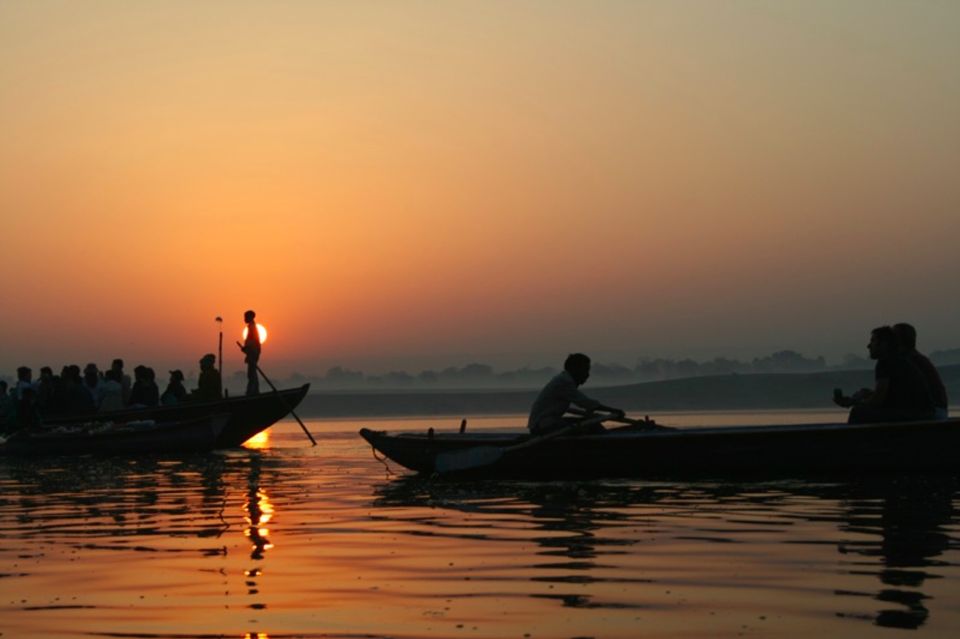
<point>251,347</point>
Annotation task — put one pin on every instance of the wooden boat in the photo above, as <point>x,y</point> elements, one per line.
<point>634,452</point>
<point>100,437</point>
<point>246,415</point>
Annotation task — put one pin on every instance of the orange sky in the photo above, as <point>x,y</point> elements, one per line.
<point>403,185</point>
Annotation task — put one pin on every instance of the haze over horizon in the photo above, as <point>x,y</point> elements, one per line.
<point>418,185</point>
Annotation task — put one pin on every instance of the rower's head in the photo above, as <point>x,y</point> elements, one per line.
<point>883,343</point>
<point>207,361</point>
<point>578,365</point>
<point>249,316</point>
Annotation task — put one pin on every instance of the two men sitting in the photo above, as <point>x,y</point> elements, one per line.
<point>907,385</point>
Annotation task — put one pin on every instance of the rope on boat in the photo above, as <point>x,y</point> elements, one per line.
<point>382,460</point>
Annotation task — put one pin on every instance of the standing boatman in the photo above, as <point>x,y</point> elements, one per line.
<point>251,348</point>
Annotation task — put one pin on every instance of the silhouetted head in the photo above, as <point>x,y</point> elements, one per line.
<point>117,364</point>
<point>906,335</point>
<point>140,372</point>
<point>176,376</point>
<point>883,343</point>
<point>578,365</point>
<point>112,375</point>
<point>24,374</point>
<point>208,360</point>
<point>248,316</point>
<point>46,372</point>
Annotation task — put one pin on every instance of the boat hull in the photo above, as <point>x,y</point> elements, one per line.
<point>246,415</point>
<point>761,450</point>
<point>109,438</point>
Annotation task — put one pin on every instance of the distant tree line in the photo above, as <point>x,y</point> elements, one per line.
<point>477,375</point>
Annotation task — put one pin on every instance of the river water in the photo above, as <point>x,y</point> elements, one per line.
<point>284,540</point>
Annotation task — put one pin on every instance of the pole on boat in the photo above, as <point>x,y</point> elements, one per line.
<point>219,321</point>
<point>283,401</point>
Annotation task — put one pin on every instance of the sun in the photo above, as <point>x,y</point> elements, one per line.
<point>260,329</point>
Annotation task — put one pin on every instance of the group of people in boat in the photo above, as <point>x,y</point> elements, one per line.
<point>92,390</point>
<point>28,402</point>
<point>907,387</point>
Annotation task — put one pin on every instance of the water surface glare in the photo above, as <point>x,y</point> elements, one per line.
<point>285,540</point>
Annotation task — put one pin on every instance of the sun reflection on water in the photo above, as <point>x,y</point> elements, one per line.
<point>259,511</point>
<point>258,441</point>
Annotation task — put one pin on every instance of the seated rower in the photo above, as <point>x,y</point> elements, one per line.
<point>901,393</point>
<point>549,410</point>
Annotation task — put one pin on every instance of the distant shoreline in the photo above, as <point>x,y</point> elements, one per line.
<point>771,391</point>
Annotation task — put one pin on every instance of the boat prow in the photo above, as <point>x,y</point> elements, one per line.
<point>247,415</point>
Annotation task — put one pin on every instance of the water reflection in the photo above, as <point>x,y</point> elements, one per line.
<point>164,547</point>
<point>906,522</point>
<point>258,512</point>
<point>113,498</point>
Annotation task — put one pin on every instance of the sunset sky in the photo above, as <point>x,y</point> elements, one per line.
<point>403,185</point>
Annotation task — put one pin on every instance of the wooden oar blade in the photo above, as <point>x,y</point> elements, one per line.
<point>467,459</point>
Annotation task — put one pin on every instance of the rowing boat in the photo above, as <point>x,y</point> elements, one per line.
<point>638,452</point>
<point>133,437</point>
<point>247,415</point>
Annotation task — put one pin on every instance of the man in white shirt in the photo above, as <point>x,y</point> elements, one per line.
<point>548,412</point>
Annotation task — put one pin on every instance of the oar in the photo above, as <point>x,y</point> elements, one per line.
<point>283,401</point>
<point>480,456</point>
<point>645,423</point>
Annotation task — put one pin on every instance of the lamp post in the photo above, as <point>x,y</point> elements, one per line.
<point>219,321</point>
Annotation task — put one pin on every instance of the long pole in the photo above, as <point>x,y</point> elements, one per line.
<point>220,348</point>
<point>283,401</point>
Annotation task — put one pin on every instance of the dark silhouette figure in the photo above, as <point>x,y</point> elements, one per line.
<point>125,382</point>
<point>77,399</point>
<point>91,382</point>
<point>111,391</point>
<point>548,412</point>
<point>47,391</point>
<point>145,391</point>
<point>7,407</point>
<point>209,385</point>
<point>251,348</point>
<point>24,381</point>
<point>907,337</point>
<point>175,392</point>
<point>901,392</point>
<point>27,414</point>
